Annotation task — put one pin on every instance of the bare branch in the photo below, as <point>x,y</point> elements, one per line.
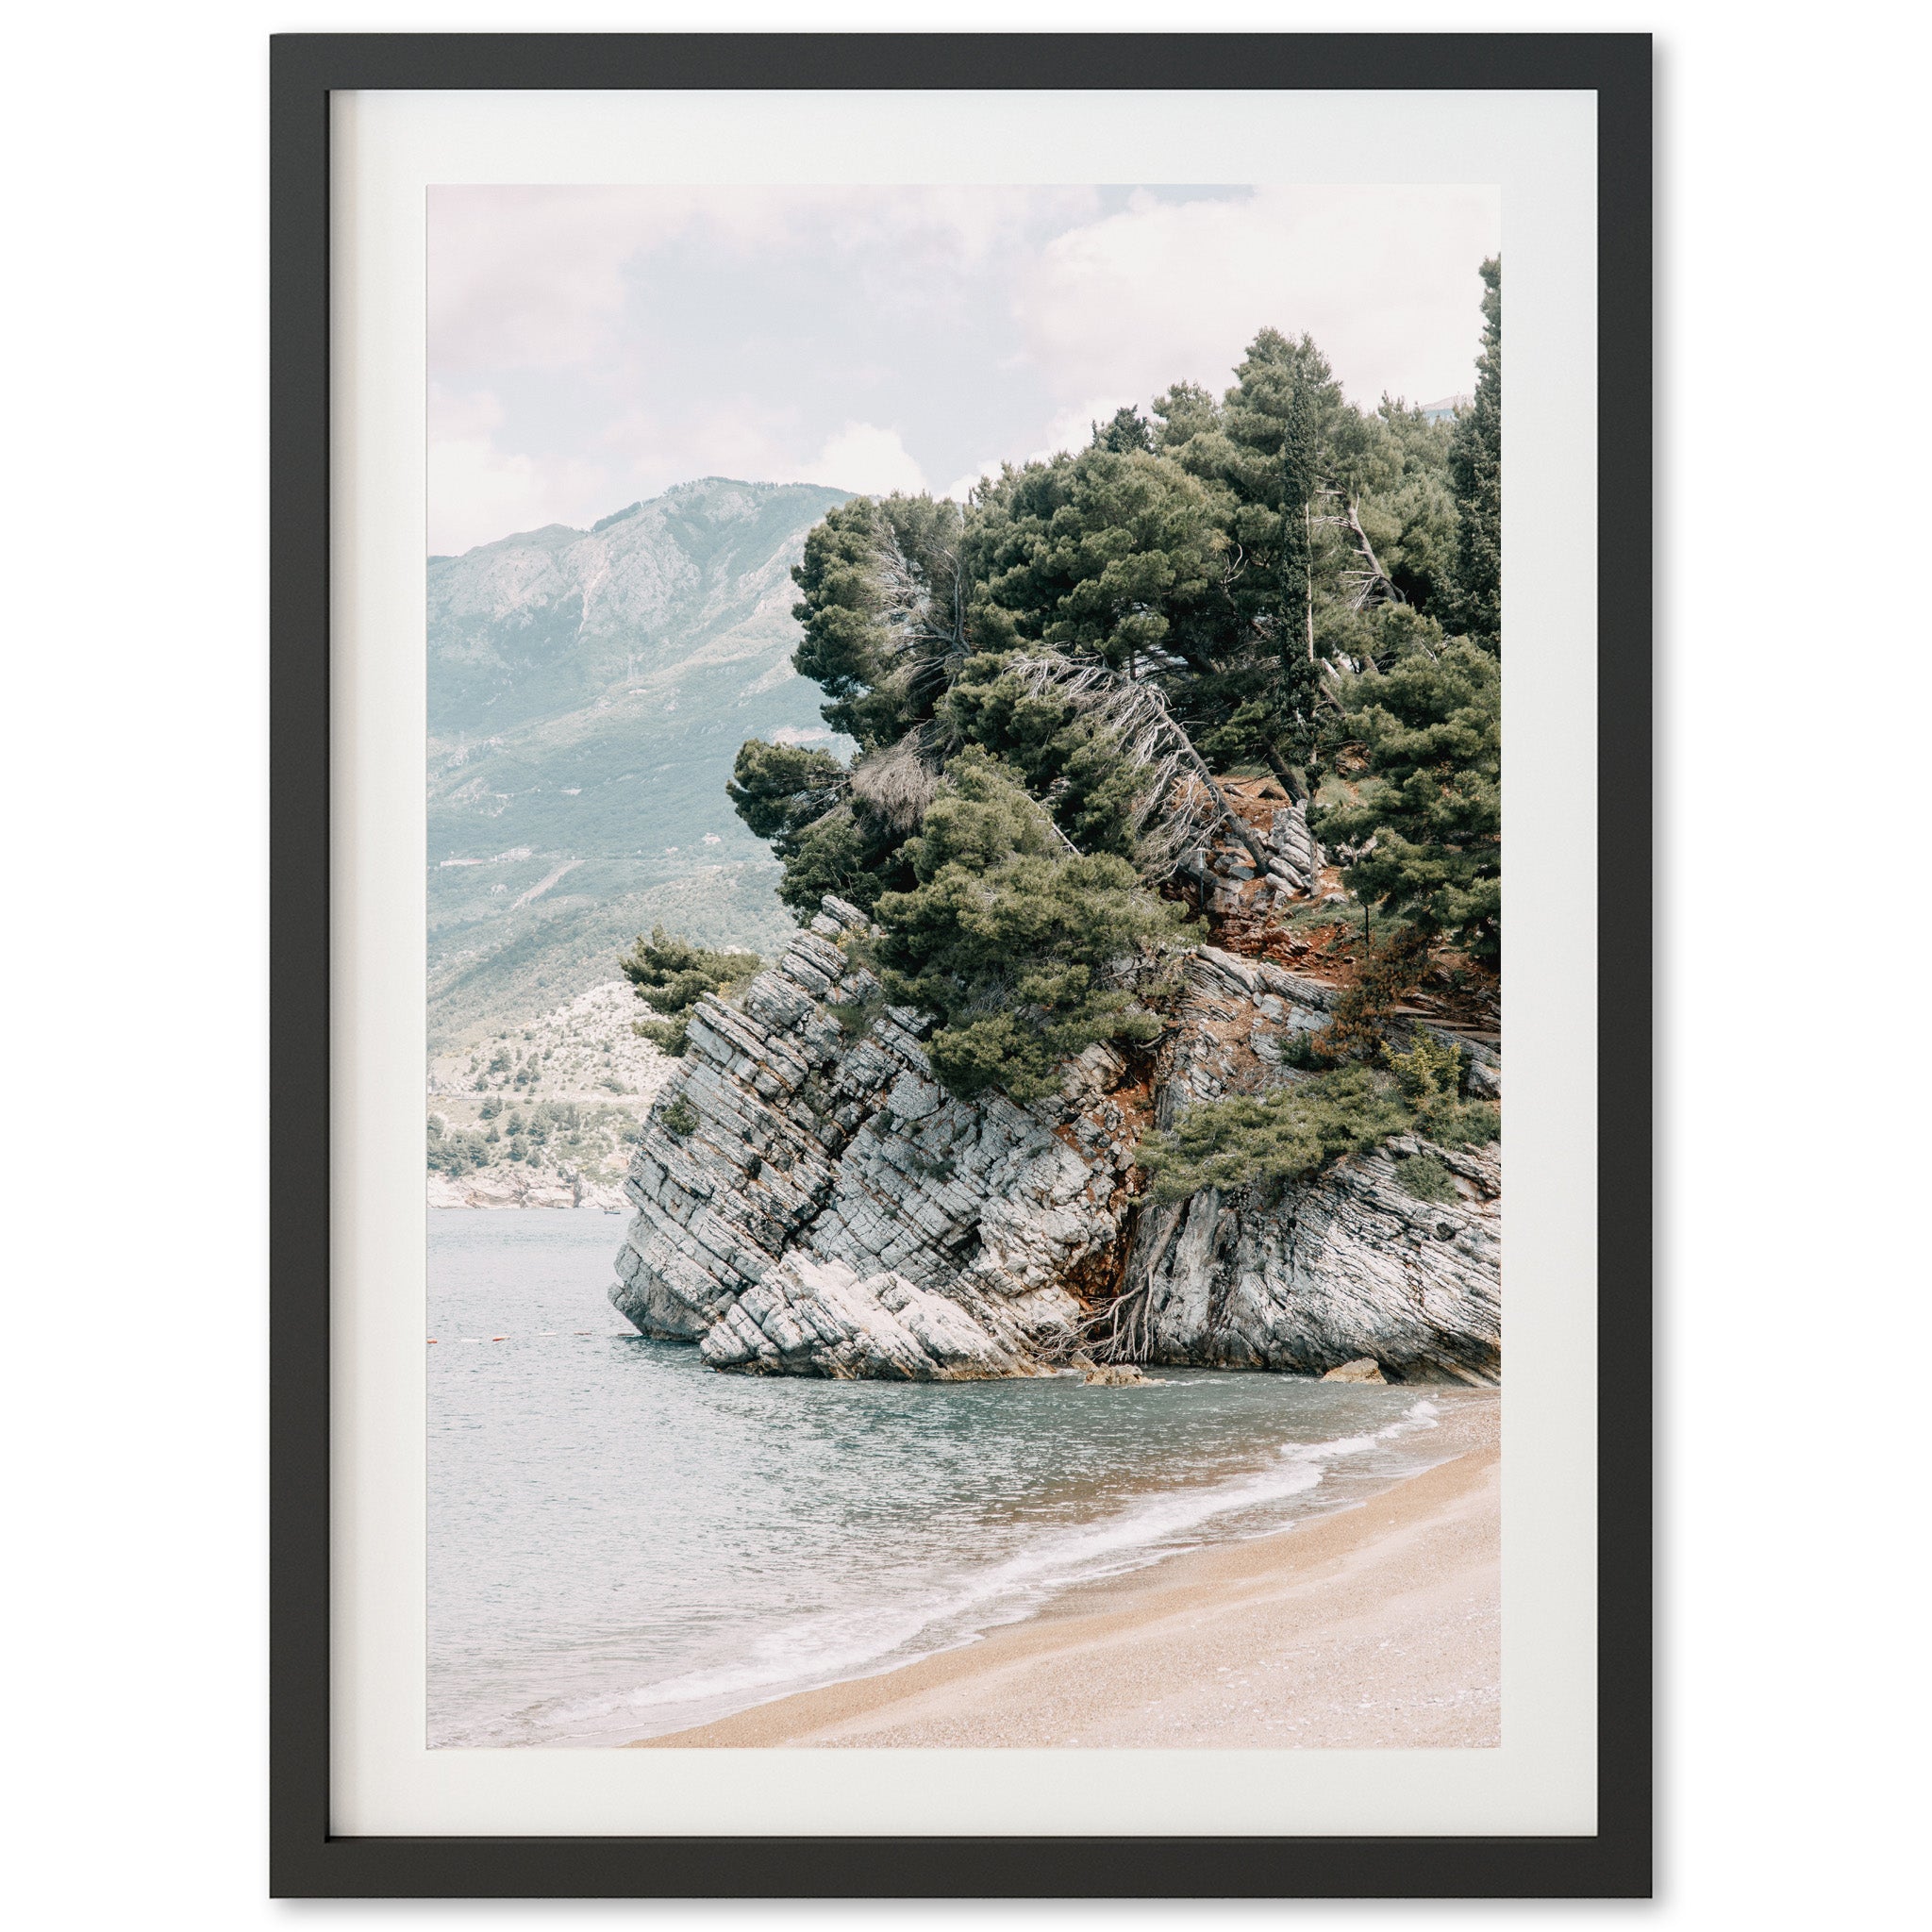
<point>898,782</point>
<point>1371,584</point>
<point>1171,815</point>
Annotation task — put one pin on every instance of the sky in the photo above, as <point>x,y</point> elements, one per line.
<point>592,346</point>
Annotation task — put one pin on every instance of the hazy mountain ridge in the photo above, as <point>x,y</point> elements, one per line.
<point>587,691</point>
<point>527,627</point>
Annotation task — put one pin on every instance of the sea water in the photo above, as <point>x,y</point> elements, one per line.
<point>622,1541</point>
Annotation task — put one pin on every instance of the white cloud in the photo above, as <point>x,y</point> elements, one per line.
<point>479,492</point>
<point>959,487</point>
<point>754,439</point>
<point>591,346</point>
<point>533,276</point>
<point>463,412</point>
<point>536,276</point>
<point>1383,277</point>
<point>1069,428</point>
<point>864,457</point>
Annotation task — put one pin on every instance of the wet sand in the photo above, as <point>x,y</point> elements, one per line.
<point>1379,1625</point>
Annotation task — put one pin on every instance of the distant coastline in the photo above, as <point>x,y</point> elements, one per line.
<point>543,1114</point>
<point>498,1188</point>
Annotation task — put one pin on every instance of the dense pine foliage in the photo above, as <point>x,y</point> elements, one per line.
<point>1018,947</point>
<point>1044,683</point>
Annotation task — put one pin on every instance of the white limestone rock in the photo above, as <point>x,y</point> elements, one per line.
<point>1347,1265</point>
<point>820,1150</point>
<point>829,1210</point>
<point>1364,1370</point>
<point>815,1317</point>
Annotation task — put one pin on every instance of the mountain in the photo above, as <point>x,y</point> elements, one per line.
<point>587,691</point>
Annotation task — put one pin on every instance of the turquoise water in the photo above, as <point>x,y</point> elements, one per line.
<point>623,1542</point>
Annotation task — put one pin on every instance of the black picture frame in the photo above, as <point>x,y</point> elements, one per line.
<point>306,1858</point>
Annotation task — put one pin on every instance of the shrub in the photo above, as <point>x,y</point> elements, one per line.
<point>1424,1176</point>
<point>1430,1074</point>
<point>680,1117</point>
<point>855,1017</point>
<point>1299,1050</point>
<point>1267,1141</point>
<point>1015,943</point>
<point>1431,1068</point>
<point>672,975</point>
<point>1391,966</point>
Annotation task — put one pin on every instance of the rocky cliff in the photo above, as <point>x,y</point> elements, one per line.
<point>810,1201</point>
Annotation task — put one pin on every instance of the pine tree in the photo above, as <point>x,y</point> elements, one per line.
<point>1022,948</point>
<point>1431,732</point>
<point>780,789</point>
<point>672,975</point>
<point>883,611</point>
<point>1298,485</point>
<point>1126,430</point>
<point>1476,473</point>
<point>1295,698</point>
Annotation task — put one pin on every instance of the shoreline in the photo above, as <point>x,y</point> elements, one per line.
<point>1376,1625</point>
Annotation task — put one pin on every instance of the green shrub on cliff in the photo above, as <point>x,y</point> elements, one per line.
<point>1426,1177</point>
<point>1430,1074</point>
<point>673,975</point>
<point>1267,1140</point>
<point>1016,943</point>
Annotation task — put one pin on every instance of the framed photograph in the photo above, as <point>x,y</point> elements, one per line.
<point>903,669</point>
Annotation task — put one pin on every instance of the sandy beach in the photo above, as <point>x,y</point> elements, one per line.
<point>1379,1625</point>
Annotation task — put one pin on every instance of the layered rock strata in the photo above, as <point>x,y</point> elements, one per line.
<point>810,1201</point>
<point>1225,875</point>
<point>1347,1266</point>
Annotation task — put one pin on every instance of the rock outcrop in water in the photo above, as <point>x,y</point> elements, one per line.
<point>829,1209</point>
<point>810,1201</point>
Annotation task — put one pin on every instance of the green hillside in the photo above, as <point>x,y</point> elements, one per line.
<point>587,691</point>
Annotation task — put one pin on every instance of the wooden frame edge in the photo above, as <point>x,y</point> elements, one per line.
<point>306,1860</point>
